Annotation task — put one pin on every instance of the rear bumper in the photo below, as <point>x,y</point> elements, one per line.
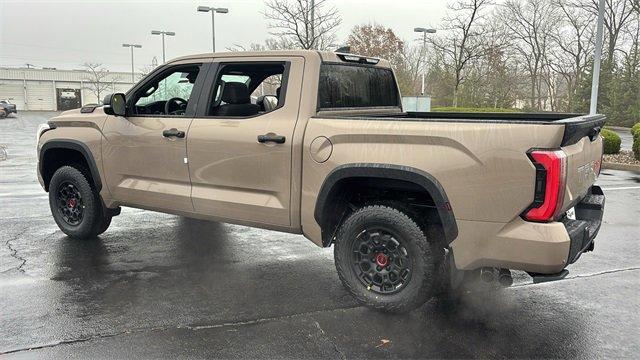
<point>537,248</point>
<point>583,230</point>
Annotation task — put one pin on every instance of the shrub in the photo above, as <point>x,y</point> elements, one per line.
<point>611,141</point>
<point>635,129</point>
<point>636,144</point>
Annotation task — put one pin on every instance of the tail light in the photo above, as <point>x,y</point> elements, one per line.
<point>551,174</point>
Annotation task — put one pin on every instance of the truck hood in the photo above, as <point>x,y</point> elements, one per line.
<point>84,111</point>
<point>80,118</point>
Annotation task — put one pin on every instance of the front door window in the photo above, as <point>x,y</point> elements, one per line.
<point>168,94</point>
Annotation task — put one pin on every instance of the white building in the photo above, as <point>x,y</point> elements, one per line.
<point>52,89</point>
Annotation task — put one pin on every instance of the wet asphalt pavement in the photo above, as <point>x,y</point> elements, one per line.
<point>162,286</point>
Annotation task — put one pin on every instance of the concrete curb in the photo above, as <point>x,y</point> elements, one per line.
<point>618,166</point>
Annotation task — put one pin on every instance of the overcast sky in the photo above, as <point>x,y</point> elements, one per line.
<point>65,34</point>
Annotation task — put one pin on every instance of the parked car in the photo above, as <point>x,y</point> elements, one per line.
<point>8,107</point>
<point>402,196</point>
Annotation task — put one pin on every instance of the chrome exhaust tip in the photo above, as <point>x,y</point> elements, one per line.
<point>488,274</point>
<point>504,278</point>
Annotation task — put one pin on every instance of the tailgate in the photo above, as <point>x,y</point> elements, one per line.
<point>584,157</point>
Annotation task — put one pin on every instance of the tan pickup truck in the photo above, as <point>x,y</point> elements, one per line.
<point>317,143</point>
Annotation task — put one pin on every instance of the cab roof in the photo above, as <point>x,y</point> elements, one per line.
<point>313,55</point>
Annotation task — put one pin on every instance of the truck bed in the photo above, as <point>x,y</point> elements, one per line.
<point>577,126</point>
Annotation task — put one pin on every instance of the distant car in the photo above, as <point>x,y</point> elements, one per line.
<point>8,107</point>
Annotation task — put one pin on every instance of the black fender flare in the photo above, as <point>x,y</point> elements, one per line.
<point>72,145</point>
<point>396,172</point>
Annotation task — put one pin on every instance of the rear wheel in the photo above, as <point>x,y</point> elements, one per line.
<point>384,260</point>
<point>75,204</point>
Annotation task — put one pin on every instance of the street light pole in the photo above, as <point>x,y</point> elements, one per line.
<point>131,46</point>
<point>163,33</point>
<point>313,23</point>
<point>424,47</point>
<point>213,21</point>
<point>213,30</point>
<point>424,32</point>
<point>595,81</point>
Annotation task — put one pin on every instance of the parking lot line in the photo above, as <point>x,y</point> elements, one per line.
<point>622,188</point>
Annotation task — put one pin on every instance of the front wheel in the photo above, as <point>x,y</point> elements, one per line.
<point>384,260</point>
<point>75,204</point>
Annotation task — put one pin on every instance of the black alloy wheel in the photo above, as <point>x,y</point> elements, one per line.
<point>380,261</point>
<point>70,203</point>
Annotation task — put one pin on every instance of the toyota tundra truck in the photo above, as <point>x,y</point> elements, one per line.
<point>318,144</point>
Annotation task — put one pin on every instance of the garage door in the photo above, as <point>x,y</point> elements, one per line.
<point>40,95</point>
<point>88,97</point>
<point>12,91</point>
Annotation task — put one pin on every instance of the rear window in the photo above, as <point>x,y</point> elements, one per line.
<point>354,86</point>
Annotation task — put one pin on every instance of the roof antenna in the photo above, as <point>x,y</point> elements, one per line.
<point>343,49</point>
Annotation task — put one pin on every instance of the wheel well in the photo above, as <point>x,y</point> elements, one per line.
<point>349,194</point>
<point>53,159</point>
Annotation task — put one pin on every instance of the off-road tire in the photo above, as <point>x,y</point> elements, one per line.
<point>423,281</point>
<point>93,220</point>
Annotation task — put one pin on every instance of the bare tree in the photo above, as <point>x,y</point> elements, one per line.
<point>376,40</point>
<point>631,56</point>
<point>147,69</point>
<point>462,42</point>
<point>251,47</point>
<point>308,24</point>
<point>379,41</point>
<point>617,13</point>
<point>269,44</point>
<point>97,79</point>
<point>530,23</point>
<point>574,37</point>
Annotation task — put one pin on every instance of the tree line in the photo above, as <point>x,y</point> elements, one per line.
<point>532,55</point>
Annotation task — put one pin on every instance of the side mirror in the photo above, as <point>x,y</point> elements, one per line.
<point>115,104</point>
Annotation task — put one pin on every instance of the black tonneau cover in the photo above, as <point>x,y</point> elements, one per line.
<point>576,126</point>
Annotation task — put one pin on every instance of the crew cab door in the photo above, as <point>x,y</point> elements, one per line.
<point>144,154</point>
<point>239,151</point>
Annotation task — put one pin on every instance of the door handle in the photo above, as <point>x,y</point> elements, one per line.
<point>173,132</point>
<point>278,139</point>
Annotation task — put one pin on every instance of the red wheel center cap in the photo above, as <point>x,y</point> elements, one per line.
<point>72,203</point>
<point>382,260</point>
